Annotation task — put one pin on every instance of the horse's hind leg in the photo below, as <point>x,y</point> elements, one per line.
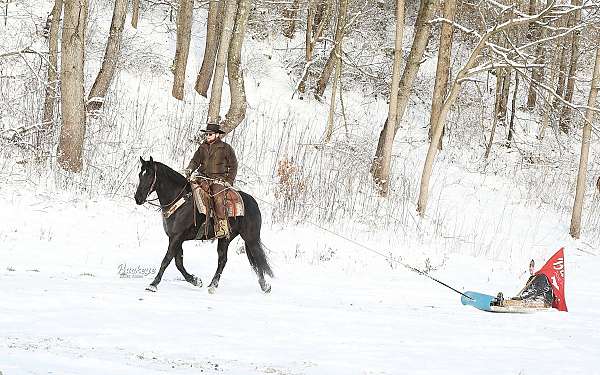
<point>194,280</point>
<point>222,247</point>
<point>258,263</point>
<point>163,266</point>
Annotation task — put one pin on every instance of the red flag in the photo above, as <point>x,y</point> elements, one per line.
<point>554,269</point>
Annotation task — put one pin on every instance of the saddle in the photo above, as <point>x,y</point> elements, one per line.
<point>231,198</point>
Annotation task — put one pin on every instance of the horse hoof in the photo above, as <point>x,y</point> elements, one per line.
<point>196,281</point>
<point>151,288</point>
<point>212,289</point>
<point>266,288</point>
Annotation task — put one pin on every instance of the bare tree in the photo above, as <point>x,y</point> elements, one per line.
<point>337,53</point>
<point>564,121</point>
<point>421,37</point>
<point>111,55</point>
<point>585,149</point>
<point>135,5</point>
<point>52,86</point>
<point>213,36</point>
<point>235,74</point>
<point>443,66</point>
<point>493,58</point>
<point>513,111</point>
<point>182,49</point>
<point>70,146</point>
<point>382,172</point>
<point>290,14</point>
<point>314,31</point>
<point>214,104</point>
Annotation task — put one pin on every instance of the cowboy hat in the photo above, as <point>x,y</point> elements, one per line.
<point>212,128</point>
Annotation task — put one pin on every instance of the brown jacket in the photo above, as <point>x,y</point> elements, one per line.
<point>216,160</point>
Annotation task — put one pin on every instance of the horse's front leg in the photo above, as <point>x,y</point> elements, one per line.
<point>222,247</point>
<point>194,280</point>
<point>163,266</point>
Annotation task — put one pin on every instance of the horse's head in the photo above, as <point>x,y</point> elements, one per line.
<point>147,182</point>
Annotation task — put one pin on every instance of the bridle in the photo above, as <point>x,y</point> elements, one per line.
<point>152,188</point>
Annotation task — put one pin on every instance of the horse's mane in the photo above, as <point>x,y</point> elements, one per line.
<point>167,172</point>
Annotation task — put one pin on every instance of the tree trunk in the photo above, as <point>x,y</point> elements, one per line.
<point>422,28</point>
<point>111,55</point>
<point>290,14</point>
<point>235,74</point>
<point>70,146</point>
<point>585,148</point>
<point>52,85</point>
<point>182,49</point>
<point>213,36</point>
<point>565,120</point>
<point>547,106</point>
<point>560,87</point>
<point>443,66</point>
<point>535,33</point>
<point>339,35</point>
<point>214,106</point>
<point>336,51</point>
<point>309,44</point>
<point>511,126</point>
<point>135,4</point>
<point>500,84</point>
<point>313,34</point>
<point>381,171</point>
<point>454,90</point>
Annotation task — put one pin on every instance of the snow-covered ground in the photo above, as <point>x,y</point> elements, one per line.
<point>65,308</point>
<point>336,307</point>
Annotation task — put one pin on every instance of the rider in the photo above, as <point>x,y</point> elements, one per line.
<point>537,292</point>
<point>215,160</point>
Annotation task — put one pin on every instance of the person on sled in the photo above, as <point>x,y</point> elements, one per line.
<point>537,293</point>
<point>213,169</point>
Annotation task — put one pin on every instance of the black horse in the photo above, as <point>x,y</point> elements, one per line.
<point>170,186</point>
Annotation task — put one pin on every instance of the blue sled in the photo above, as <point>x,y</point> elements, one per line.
<point>479,300</point>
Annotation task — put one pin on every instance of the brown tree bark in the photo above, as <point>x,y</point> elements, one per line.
<point>575,229</point>
<point>513,111</point>
<point>52,85</point>
<point>337,51</point>
<point>421,37</point>
<point>314,32</point>
<point>213,36</point>
<point>290,15</point>
<point>111,55</point>
<point>135,5</point>
<point>565,115</point>
<point>381,172</point>
<point>214,105</point>
<point>72,133</point>
<point>182,49</point>
<point>235,74</point>
<point>442,71</point>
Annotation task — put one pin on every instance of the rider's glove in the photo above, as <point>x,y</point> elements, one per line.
<point>186,172</point>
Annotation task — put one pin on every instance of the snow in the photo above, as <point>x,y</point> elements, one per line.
<point>337,305</point>
<point>66,309</point>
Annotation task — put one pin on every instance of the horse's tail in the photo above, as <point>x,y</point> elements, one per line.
<point>258,258</point>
